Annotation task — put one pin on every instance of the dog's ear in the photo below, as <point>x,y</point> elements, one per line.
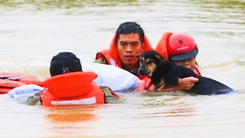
<point>159,57</point>
<point>138,55</point>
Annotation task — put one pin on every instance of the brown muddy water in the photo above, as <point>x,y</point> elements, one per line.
<point>31,32</point>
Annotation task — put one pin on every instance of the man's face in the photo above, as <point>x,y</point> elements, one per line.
<point>128,46</point>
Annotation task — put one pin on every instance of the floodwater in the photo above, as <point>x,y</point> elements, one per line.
<point>31,32</point>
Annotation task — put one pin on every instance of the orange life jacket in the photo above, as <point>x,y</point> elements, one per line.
<point>112,57</point>
<point>74,88</point>
<point>161,48</point>
<point>9,80</point>
<point>196,70</point>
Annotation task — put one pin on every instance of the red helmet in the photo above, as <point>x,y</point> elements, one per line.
<point>181,47</point>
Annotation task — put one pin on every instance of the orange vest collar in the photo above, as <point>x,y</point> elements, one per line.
<point>71,84</point>
<point>162,45</point>
<point>196,70</point>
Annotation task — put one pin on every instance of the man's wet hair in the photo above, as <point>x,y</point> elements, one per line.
<point>128,28</point>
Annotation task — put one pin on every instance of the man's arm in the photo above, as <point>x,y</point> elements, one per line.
<point>185,84</point>
<point>101,61</point>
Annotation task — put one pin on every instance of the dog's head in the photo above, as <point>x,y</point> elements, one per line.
<point>148,62</point>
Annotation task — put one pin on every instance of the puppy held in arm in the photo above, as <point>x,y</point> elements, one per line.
<point>164,74</point>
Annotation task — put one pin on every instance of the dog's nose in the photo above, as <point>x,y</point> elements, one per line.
<point>141,71</point>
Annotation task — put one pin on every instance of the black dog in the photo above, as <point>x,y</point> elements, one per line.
<point>165,74</point>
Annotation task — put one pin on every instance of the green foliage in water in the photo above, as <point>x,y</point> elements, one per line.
<point>220,4</point>
<point>67,4</point>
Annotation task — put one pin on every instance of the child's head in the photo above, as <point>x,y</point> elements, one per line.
<point>64,62</point>
<point>182,50</point>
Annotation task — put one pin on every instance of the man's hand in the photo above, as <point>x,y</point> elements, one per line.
<point>187,83</point>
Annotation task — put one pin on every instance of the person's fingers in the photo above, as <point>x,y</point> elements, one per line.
<point>193,79</point>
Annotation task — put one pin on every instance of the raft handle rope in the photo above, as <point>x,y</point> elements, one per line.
<point>14,79</point>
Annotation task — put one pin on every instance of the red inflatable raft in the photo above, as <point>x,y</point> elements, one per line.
<point>9,81</point>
